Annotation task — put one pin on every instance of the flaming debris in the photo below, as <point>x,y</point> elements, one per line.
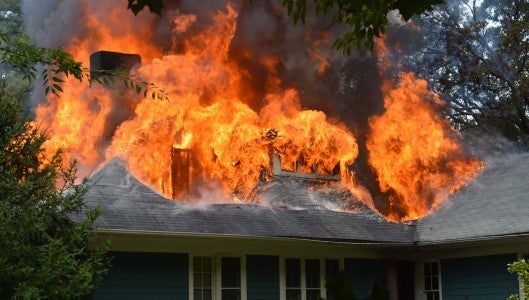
<point>214,123</point>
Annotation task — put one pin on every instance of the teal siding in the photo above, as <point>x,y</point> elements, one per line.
<point>262,277</point>
<point>473,278</point>
<point>145,276</point>
<point>365,274</point>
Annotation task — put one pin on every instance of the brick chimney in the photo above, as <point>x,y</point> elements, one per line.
<point>112,61</point>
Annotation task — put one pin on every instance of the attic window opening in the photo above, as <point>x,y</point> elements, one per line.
<point>301,169</point>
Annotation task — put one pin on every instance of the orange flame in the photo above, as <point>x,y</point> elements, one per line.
<point>208,113</point>
<point>415,153</point>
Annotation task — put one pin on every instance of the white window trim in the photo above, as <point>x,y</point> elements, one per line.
<point>213,274</point>
<point>218,273</point>
<point>323,281</point>
<point>303,279</point>
<point>323,271</point>
<point>421,278</point>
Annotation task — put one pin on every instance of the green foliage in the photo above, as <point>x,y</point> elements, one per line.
<point>43,252</point>
<point>11,24</point>
<point>521,268</point>
<point>155,6</point>
<point>57,64</point>
<point>365,19</point>
<point>476,58</point>
<point>23,57</point>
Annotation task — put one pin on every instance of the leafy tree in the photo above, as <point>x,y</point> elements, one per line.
<point>365,19</point>
<point>521,268</point>
<point>11,24</point>
<point>25,58</point>
<point>476,56</point>
<point>43,252</point>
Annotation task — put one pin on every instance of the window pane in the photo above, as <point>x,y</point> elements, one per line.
<point>231,294</point>
<point>231,272</point>
<point>197,280</point>
<point>293,294</point>
<point>434,269</point>
<point>293,272</point>
<point>197,294</point>
<point>427,283</point>
<point>332,268</point>
<point>313,295</point>
<point>197,264</point>
<point>427,269</point>
<point>202,278</point>
<point>430,296</point>
<point>435,283</point>
<point>312,273</point>
<point>207,294</point>
<point>206,280</point>
<point>206,264</point>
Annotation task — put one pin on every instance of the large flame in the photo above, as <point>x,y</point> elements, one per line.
<point>208,112</point>
<point>212,111</point>
<point>415,153</point>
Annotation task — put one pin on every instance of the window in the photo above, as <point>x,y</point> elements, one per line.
<point>312,279</point>
<point>431,280</point>
<point>332,268</point>
<point>230,278</point>
<point>293,278</point>
<point>202,278</point>
<point>302,279</point>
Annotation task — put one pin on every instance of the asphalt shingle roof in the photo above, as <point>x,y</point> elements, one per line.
<point>496,203</point>
<point>129,205</point>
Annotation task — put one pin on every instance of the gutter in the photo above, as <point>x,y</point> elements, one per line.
<point>472,240</point>
<point>236,237</point>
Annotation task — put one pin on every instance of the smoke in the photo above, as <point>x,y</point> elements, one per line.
<point>490,145</point>
<point>340,85</point>
<point>346,88</point>
<point>53,23</point>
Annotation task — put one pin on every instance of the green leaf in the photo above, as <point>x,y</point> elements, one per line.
<point>57,87</point>
<point>155,6</point>
<point>56,79</point>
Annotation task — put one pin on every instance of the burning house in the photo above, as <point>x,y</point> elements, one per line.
<point>241,187</point>
<point>167,249</point>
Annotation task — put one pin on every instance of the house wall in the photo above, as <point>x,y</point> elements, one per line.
<point>145,275</point>
<point>482,277</point>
